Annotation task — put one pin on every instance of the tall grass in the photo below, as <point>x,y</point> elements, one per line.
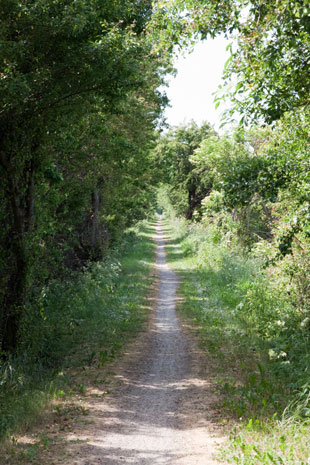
<point>90,315</point>
<point>257,341</point>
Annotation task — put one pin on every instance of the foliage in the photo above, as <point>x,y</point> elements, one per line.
<point>81,321</point>
<point>174,167</point>
<point>258,343</point>
<point>268,66</point>
<point>80,102</point>
<point>271,60</point>
<point>246,283</point>
<point>180,22</point>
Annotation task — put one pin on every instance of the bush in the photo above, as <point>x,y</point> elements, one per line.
<point>94,310</point>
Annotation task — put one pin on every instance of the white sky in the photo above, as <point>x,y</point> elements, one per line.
<point>199,75</point>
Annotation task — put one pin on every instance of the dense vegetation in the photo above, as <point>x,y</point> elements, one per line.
<point>79,103</point>
<point>80,158</point>
<point>84,322</point>
<point>250,186</point>
<point>245,245</point>
<point>245,265</point>
<point>255,202</point>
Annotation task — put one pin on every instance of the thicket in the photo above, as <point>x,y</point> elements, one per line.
<point>79,104</point>
<point>81,321</point>
<point>250,187</point>
<point>247,240</point>
<point>255,210</point>
<point>257,348</point>
<point>80,101</point>
<point>245,266</point>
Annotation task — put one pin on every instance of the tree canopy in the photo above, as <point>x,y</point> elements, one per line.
<point>79,104</point>
<point>270,61</point>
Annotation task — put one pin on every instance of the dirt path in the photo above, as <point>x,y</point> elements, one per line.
<point>162,409</point>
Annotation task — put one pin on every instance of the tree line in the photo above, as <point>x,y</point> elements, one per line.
<point>249,187</point>
<point>79,104</point>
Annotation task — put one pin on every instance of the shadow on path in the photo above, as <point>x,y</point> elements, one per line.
<point>162,411</point>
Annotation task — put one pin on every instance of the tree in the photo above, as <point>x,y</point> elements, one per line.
<point>236,168</point>
<point>173,155</point>
<point>59,60</point>
<point>271,61</point>
<point>268,67</point>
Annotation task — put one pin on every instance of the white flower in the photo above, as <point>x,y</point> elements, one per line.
<point>272,354</point>
<point>305,322</point>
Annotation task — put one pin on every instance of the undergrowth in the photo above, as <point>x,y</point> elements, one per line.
<point>258,342</point>
<point>84,320</point>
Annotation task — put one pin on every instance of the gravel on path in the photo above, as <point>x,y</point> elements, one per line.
<point>162,410</point>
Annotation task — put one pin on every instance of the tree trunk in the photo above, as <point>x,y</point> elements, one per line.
<point>194,201</point>
<point>95,226</point>
<point>95,200</point>
<point>15,297</point>
<point>21,207</point>
<point>191,204</point>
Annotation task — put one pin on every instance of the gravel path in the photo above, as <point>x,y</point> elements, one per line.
<point>162,408</point>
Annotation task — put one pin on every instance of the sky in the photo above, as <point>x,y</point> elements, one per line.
<point>199,75</point>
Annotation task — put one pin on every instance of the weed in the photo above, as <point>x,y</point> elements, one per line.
<point>94,313</point>
<point>259,347</point>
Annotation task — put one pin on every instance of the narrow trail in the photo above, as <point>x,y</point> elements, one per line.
<point>162,409</point>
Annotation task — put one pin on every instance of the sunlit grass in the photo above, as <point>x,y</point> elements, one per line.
<point>253,390</point>
<point>85,321</point>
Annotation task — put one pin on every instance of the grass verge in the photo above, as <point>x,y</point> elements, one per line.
<point>227,298</point>
<point>85,322</point>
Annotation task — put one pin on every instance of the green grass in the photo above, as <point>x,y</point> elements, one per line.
<point>84,321</point>
<point>252,339</point>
